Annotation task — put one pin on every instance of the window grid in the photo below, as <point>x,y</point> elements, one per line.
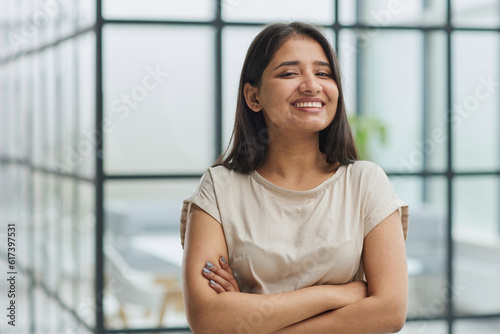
<point>6,162</point>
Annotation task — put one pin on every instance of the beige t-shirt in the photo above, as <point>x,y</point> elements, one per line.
<point>281,240</point>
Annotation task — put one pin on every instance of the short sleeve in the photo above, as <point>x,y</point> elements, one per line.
<point>205,198</point>
<point>381,202</point>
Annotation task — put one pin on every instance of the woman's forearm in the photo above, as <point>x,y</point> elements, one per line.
<point>369,315</point>
<point>253,313</point>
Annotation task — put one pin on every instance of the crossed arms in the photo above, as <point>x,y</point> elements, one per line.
<point>378,307</point>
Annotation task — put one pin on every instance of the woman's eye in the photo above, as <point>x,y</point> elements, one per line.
<point>323,74</point>
<point>287,74</point>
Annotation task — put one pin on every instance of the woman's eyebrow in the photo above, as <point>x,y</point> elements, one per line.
<point>321,63</point>
<point>287,63</point>
<point>296,62</point>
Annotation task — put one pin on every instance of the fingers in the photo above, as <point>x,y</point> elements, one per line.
<point>216,282</point>
<point>220,272</point>
<point>224,265</point>
<point>214,285</point>
<point>222,276</point>
<point>230,276</point>
<point>218,276</point>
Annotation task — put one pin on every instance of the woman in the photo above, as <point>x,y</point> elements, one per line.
<point>281,232</point>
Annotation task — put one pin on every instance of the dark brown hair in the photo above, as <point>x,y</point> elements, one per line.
<point>249,140</point>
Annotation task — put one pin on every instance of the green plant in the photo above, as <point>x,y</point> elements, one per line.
<point>364,130</point>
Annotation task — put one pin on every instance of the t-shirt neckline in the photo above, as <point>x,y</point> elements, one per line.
<point>297,193</point>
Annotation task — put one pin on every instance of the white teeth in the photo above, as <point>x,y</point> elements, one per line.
<point>308,104</point>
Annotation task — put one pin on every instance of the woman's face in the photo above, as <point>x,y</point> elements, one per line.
<point>297,91</point>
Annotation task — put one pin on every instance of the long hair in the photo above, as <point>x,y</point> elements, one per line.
<point>249,140</point>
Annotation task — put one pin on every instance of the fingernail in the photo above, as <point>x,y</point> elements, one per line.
<point>206,271</point>
<point>210,265</point>
<point>223,259</point>
<point>212,282</point>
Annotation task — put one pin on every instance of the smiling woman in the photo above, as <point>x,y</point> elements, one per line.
<point>283,231</point>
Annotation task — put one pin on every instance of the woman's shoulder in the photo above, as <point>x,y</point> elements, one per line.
<point>222,173</point>
<point>221,170</point>
<point>364,167</point>
<point>364,172</point>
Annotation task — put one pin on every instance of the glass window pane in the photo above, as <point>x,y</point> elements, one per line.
<point>3,110</point>
<point>426,244</point>
<point>69,324</point>
<point>59,113</point>
<point>13,193</point>
<point>191,10</point>
<point>85,249</point>
<point>143,252</point>
<point>49,122</point>
<point>67,16</point>
<point>347,54</point>
<point>83,155</point>
<point>5,184</point>
<point>25,106</point>
<point>15,144</point>
<point>54,315</point>
<point>22,176</point>
<point>41,312</point>
<point>401,12</point>
<point>67,100</point>
<point>38,214</point>
<point>5,18</point>
<point>408,188</point>
<point>35,32</point>
<point>38,110</point>
<point>51,238</point>
<point>484,13</point>
<point>475,100</point>
<point>435,143</point>
<point>44,117</point>
<point>471,223</point>
<point>23,322</point>
<point>159,100</point>
<point>48,14</point>
<point>347,12</point>
<point>317,11</point>
<point>45,313</point>
<point>86,13</point>
<point>483,326</point>
<point>68,269</point>
<point>10,103</point>
<point>477,245</point>
<point>235,43</point>
<point>391,92</point>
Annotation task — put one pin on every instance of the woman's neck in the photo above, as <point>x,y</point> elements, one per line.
<point>295,158</point>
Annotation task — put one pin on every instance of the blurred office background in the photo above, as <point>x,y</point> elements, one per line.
<point>95,181</point>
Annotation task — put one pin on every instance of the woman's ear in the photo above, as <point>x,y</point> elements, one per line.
<point>251,97</point>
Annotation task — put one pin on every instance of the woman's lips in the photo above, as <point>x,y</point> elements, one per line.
<point>310,110</point>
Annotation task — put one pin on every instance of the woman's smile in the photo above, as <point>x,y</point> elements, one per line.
<point>309,105</point>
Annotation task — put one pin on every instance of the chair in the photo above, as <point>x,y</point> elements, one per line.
<point>132,287</point>
<point>426,251</point>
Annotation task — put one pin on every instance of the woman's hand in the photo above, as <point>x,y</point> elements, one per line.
<point>353,291</point>
<point>221,279</point>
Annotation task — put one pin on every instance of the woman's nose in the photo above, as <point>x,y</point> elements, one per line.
<point>310,84</point>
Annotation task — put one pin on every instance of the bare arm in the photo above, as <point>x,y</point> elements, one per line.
<point>384,310</point>
<point>233,312</point>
